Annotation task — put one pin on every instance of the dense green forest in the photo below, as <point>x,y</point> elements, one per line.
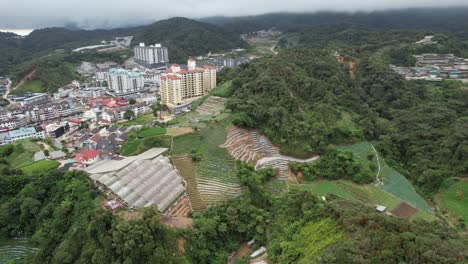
<point>61,214</point>
<point>185,37</point>
<point>304,100</point>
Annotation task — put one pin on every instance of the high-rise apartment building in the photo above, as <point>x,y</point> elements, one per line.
<point>179,86</point>
<point>121,81</point>
<point>151,56</point>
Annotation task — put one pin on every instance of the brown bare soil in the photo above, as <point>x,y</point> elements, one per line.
<point>177,131</point>
<point>177,222</point>
<point>404,210</point>
<point>181,245</point>
<point>181,208</point>
<point>243,251</point>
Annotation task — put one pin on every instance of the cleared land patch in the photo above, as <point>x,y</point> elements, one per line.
<point>404,210</point>
<point>178,131</point>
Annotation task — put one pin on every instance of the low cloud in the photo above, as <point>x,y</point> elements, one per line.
<point>15,14</point>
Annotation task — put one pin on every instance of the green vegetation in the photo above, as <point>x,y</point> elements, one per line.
<point>185,37</point>
<point>40,166</point>
<point>308,244</point>
<point>140,120</point>
<point>19,153</point>
<point>335,165</point>
<point>153,131</point>
<point>61,215</point>
<point>455,200</point>
<point>134,145</point>
<point>323,188</point>
<point>394,182</point>
<point>223,90</point>
<point>215,162</point>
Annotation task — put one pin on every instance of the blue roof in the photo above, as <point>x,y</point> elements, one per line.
<point>21,132</point>
<point>130,74</point>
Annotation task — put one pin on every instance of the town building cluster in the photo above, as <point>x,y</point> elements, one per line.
<point>435,67</point>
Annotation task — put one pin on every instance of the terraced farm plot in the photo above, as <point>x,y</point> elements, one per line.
<point>213,105</point>
<point>404,210</point>
<point>186,168</point>
<point>398,185</point>
<point>248,146</point>
<point>23,153</point>
<point>215,175</point>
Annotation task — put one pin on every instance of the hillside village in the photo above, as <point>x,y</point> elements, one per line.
<point>204,149</point>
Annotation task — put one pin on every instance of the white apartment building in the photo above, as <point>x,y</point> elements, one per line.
<point>22,133</point>
<point>121,81</point>
<point>151,56</point>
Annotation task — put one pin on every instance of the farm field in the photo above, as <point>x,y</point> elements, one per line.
<point>262,47</point>
<point>455,200</point>
<point>394,182</point>
<point>215,173</point>
<point>367,194</point>
<point>40,166</point>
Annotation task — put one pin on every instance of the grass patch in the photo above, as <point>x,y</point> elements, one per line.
<point>34,86</point>
<point>223,90</point>
<point>324,187</point>
<point>455,200</point>
<point>141,120</point>
<point>40,166</point>
<point>153,131</point>
<point>134,146</point>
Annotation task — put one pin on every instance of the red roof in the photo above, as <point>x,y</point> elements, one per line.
<point>76,121</point>
<point>209,67</point>
<point>172,77</point>
<point>175,65</point>
<point>87,154</point>
<point>191,59</point>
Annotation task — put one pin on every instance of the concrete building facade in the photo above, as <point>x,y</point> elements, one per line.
<point>151,56</point>
<point>121,81</point>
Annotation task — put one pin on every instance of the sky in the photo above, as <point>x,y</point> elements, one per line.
<point>90,14</point>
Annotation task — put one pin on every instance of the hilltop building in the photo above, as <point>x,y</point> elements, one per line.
<point>181,86</point>
<point>121,81</point>
<point>151,56</point>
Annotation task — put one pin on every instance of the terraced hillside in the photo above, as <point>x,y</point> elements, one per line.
<point>213,179</point>
<point>213,105</point>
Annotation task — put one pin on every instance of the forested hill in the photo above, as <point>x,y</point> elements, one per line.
<point>304,100</point>
<point>186,37</point>
<point>440,19</point>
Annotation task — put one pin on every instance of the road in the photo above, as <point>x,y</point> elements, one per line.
<point>379,181</point>
<point>273,49</point>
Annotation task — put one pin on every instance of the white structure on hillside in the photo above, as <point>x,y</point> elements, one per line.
<point>121,81</point>
<point>151,56</point>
